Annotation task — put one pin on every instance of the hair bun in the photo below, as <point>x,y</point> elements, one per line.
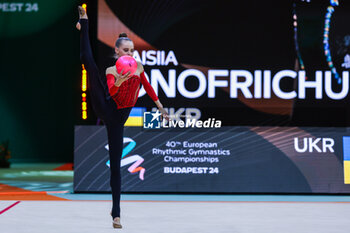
<point>123,34</point>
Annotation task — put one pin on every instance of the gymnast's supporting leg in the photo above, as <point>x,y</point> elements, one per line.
<point>115,130</point>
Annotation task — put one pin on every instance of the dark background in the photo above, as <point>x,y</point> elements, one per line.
<point>249,35</point>
<point>40,81</point>
<point>40,92</point>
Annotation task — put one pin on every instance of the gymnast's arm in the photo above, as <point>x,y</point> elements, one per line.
<point>152,94</point>
<point>115,79</point>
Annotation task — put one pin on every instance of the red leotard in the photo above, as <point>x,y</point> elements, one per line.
<point>126,95</point>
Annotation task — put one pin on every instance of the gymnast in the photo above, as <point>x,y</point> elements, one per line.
<point>113,106</point>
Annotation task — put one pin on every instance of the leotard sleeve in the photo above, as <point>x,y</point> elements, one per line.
<point>148,87</point>
<point>111,87</point>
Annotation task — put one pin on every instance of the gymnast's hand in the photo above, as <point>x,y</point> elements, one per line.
<point>165,115</point>
<point>120,77</point>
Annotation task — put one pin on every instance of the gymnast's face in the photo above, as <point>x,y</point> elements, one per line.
<point>125,48</point>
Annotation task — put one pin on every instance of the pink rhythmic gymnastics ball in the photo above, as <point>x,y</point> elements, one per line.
<point>126,63</point>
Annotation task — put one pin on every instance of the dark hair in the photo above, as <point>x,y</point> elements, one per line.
<point>122,37</point>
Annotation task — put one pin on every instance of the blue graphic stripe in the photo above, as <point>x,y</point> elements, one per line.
<point>346,148</point>
<point>128,148</point>
<point>137,112</point>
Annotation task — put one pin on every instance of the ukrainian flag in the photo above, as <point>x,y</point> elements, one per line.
<point>346,153</point>
<point>135,117</point>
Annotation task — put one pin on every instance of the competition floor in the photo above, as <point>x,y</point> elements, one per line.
<point>39,198</point>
